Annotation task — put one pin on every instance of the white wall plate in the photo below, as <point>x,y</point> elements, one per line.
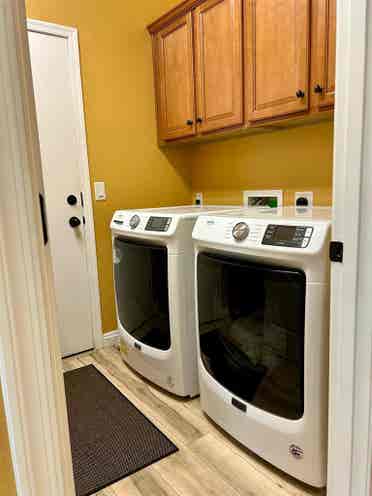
<point>309,195</point>
<point>198,199</point>
<point>263,198</point>
<point>100,190</point>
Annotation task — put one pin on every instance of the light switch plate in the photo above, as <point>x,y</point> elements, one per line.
<point>100,190</point>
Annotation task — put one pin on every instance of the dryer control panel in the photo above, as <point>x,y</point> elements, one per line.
<point>281,231</point>
<point>158,224</point>
<point>289,236</point>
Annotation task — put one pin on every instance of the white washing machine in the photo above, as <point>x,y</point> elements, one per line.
<point>153,272</point>
<point>262,289</point>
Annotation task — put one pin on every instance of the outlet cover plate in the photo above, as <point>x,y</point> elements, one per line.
<point>268,198</point>
<point>198,199</point>
<point>309,195</point>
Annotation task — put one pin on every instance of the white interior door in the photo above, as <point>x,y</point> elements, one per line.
<point>58,124</point>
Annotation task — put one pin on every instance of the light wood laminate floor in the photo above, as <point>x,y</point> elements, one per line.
<point>209,462</point>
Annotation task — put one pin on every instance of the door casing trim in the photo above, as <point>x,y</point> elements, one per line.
<point>72,37</point>
<point>30,364</point>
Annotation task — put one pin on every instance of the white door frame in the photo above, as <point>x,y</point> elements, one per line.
<point>349,469</point>
<point>29,366</point>
<point>71,36</point>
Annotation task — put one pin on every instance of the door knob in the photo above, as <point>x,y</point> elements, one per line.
<point>199,120</point>
<point>189,122</point>
<point>300,94</point>
<point>74,222</point>
<point>318,89</point>
<point>71,200</point>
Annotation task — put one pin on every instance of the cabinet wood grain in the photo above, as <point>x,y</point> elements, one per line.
<point>323,53</point>
<point>219,64</point>
<point>229,66</point>
<point>277,57</point>
<point>174,79</point>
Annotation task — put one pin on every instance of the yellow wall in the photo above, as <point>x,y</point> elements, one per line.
<point>7,485</point>
<point>297,159</point>
<point>119,104</point>
<point>116,63</point>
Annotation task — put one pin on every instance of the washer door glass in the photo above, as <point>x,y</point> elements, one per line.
<point>141,284</point>
<point>251,328</point>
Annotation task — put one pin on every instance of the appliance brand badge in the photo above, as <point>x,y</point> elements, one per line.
<point>210,222</point>
<point>296,451</point>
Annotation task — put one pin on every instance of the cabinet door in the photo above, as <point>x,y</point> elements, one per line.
<point>277,57</point>
<point>323,53</point>
<point>219,64</point>
<point>174,75</point>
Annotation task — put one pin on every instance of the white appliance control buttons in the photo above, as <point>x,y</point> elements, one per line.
<point>240,231</point>
<point>289,236</point>
<point>134,221</point>
<point>160,224</point>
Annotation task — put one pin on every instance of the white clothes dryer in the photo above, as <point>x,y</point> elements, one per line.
<point>262,289</point>
<point>153,272</point>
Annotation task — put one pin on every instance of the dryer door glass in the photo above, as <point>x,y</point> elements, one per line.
<point>251,327</point>
<point>141,284</point>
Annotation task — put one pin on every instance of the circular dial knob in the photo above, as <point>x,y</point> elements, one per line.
<point>134,221</point>
<point>240,231</point>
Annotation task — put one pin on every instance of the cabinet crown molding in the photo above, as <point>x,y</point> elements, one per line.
<point>179,10</point>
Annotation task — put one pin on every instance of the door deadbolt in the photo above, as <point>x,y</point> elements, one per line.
<point>71,200</point>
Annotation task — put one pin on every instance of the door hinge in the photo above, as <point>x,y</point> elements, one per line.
<point>336,251</point>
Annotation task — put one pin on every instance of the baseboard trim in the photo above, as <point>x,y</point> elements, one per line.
<point>111,338</point>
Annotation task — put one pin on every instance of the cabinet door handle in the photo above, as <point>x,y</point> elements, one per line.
<point>318,89</point>
<point>300,94</point>
<point>199,120</point>
<point>189,122</point>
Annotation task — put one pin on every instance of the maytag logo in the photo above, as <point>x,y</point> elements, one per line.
<point>210,222</point>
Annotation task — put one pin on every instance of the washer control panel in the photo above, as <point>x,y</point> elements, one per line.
<point>288,236</point>
<point>143,222</point>
<point>158,224</point>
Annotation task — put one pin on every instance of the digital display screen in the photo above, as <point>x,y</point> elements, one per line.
<point>284,233</point>
<point>158,224</point>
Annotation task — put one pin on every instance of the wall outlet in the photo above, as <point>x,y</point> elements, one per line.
<point>304,199</point>
<point>198,199</point>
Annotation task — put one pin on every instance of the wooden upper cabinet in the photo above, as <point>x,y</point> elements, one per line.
<point>277,57</point>
<point>174,79</point>
<point>219,64</point>
<point>323,53</point>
